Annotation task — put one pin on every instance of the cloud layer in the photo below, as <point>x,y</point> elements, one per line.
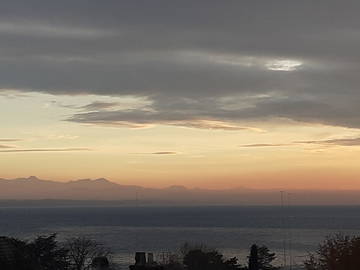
<point>199,63</point>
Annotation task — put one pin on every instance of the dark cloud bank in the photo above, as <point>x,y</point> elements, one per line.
<point>233,61</point>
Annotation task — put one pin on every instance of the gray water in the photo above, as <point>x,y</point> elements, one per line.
<point>232,230</point>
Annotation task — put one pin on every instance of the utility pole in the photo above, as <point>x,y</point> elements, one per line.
<point>282,193</point>
<point>289,196</point>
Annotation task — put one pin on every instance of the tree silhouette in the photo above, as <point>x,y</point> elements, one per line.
<point>253,258</point>
<point>261,258</point>
<point>337,252</point>
<point>14,254</point>
<point>265,259</point>
<point>81,252</point>
<point>43,253</point>
<point>198,259</point>
<point>46,254</point>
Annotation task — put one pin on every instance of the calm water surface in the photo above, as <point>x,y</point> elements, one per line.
<point>163,229</point>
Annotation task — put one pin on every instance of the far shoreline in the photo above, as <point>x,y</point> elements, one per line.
<point>54,203</point>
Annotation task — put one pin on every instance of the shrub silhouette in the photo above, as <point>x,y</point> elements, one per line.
<point>198,259</point>
<point>253,258</point>
<point>261,258</point>
<point>82,251</point>
<point>43,253</point>
<point>46,253</point>
<point>337,252</point>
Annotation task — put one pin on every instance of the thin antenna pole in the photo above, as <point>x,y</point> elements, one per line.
<point>290,235</point>
<point>136,228</point>
<point>283,227</point>
<point>137,199</point>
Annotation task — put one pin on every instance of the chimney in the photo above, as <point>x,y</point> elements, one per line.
<point>140,258</point>
<point>150,257</point>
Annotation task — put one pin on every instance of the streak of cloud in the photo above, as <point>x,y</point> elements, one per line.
<point>335,142</point>
<point>332,142</point>
<point>159,153</point>
<point>265,145</point>
<point>44,150</point>
<point>9,140</point>
<point>6,146</point>
<point>97,105</point>
<point>164,153</point>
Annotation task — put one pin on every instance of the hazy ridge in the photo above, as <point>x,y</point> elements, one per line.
<point>103,191</point>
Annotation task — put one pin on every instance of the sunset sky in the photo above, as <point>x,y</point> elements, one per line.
<point>211,94</point>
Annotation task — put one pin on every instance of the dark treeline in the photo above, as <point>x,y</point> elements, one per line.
<point>200,257</point>
<point>46,253</point>
<point>337,252</point>
<point>80,253</point>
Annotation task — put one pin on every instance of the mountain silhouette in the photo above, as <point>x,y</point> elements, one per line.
<point>101,189</point>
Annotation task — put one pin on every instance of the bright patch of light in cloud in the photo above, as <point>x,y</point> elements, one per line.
<point>283,65</point>
<point>243,61</point>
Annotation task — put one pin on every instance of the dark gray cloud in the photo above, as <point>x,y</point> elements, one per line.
<point>204,60</point>
<point>97,105</point>
<point>44,150</point>
<point>93,106</point>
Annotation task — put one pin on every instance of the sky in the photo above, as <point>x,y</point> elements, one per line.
<point>210,94</point>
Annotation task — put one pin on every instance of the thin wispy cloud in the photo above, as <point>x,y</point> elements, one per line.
<point>93,106</point>
<point>47,29</point>
<point>98,105</point>
<point>45,150</point>
<point>332,142</point>
<point>335,142</point>
<point>164,153</point>
<point>145,118</point>
<point>158,153</point>
<point>6,146</point>
<point>9,140</point>
<point>265,145</point>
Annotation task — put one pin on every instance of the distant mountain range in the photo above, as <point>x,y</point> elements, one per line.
<point>33,188</point>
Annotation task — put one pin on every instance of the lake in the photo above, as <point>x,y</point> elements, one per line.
<point>231,229</point>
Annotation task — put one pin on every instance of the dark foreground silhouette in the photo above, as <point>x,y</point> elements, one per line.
<point>337,252</point>
<point>80,253</point>
<point>46,253</point>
